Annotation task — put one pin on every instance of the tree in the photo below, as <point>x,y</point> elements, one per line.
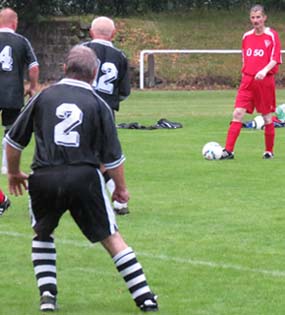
<point>31,10</point>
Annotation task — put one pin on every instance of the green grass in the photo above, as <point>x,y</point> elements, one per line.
<point>209,234</point>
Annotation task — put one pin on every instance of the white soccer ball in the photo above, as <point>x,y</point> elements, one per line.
<point>280,112</point>
<point>212,151</point>
<point>259,122</point>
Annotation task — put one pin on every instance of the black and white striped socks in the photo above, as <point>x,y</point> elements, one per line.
<point>132,272</point>
<point>44,262</point>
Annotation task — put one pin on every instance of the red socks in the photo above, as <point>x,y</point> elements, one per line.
<point>233,133</point>
<point>269,134</point>
<point>2,196</point>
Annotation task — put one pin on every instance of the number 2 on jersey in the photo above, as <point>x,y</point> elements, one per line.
<point>6,59</point>
<point>105,82</point>
<point>63,131</point>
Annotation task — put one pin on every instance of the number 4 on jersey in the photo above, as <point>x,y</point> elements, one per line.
<point>6,59</point>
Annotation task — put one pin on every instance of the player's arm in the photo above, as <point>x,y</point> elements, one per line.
<point>120,193</point>
<point>111,154</point>
<point>16,140</point>
<point>263,72</point>
<point>33,68</point>
<point>125,84</point>
<point>275,59</point>
<point>33,78</point>
<point>17,180</point>
<point>125,89</point>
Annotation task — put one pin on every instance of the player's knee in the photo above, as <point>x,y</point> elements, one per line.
<point>43,235</point>
<point>267,119</point>
<point>114,244</point>
<point>238,114</point>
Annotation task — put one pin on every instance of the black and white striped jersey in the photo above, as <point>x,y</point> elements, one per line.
<point>16,54</point>
<point>112,82</point>
<point>72,126</point>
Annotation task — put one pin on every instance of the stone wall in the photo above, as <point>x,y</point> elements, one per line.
<point>51,42</point>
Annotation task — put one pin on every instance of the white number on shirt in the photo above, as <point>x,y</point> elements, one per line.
<point>6,59</point>
<point>72,117</point>
<point>105,84</point>
<point>256,52</point>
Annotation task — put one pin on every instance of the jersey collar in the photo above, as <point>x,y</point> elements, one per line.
<point>77,83</point>
<point>7,29</point>
<point>103,42</point>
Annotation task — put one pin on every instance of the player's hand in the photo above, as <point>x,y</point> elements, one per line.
<point>121,195</point>
<point>17,183</point>
<point>30,92</point>
<point>260,75</point>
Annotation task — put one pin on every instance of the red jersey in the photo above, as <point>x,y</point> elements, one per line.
<point>259,50</point>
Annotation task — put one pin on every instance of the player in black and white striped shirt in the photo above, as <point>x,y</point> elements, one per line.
<point>74,133</point>
<point>16,53</point>
<point>112,81</point>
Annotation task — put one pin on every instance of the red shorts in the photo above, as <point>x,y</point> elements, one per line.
<point>256,94</point>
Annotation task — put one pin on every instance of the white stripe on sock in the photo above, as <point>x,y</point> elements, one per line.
<point>46,280</point>
<point>122,253</point>
<point>43,256</point>
<point>38,244</point>
<point>44,268</point>
<point>131,269</point>
<point>125,259</point>
<point>138,279</point>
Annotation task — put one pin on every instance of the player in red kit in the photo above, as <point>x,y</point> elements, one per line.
<point>261,55</point>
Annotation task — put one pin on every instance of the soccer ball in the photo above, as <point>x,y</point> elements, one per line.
<point>212,151</point>
<point>258,122</point>
<point>280,112</point>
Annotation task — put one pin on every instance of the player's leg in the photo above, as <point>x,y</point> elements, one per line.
<point>243,105</point>
<point>4,167</point>
<point>44,263</point>
<point>233,133</point>
<point>131,271</point>
<point>8,118</point>
<point>4,202</point>
<point>269,136</point>
<point>45,213</point>
<point>266,105</point>
<point>91,209</point>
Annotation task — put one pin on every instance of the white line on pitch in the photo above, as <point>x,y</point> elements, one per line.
<point>194,262</point>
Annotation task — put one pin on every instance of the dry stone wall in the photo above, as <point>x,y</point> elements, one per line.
<point>51,42</point>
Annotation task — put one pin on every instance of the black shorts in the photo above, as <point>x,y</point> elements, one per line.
<point>9,116</point>
<point>79,189</point>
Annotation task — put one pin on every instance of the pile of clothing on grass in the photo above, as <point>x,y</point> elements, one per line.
<point>278,119</point>
<point>161,124</point>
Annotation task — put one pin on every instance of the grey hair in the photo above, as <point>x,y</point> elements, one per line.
<point>81,63</point>
<point>258,7</point>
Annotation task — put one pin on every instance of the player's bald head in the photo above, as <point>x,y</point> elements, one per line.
<point>81,64</point>
<point>8,18</point>
<point>103,27</point>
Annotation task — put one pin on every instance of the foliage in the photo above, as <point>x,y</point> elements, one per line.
<point>32,9</point>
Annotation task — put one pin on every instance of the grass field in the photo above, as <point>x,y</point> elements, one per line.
<point>209,234</point>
